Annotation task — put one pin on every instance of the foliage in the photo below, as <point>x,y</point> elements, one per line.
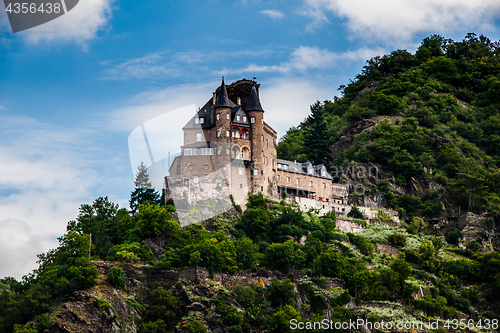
<point>162,311</point>
<point>117,277</point>
<point>356,213</point>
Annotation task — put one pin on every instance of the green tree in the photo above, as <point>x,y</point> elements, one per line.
<point>281,293</point>
<point>316,140</point>
<point>117,277</point>
<point>144,191</point>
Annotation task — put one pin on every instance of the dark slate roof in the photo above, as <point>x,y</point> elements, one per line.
<point>238,110</point>
<point>204,112</point>
<point>302,168</point>
<point>201,144</point>
<point>223,100</point>
<point>253,103</point>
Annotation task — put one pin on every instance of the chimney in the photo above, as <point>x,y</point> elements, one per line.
<point>214,99</point>
<point>238,101</point>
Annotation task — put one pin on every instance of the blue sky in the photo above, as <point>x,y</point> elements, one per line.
<point>73,89</point>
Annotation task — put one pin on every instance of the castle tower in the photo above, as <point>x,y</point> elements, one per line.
<point>257,138</point>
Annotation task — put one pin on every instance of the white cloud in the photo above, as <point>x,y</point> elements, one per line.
<point>399,20</point>
<point>305,58</point>
<point>165,65</point>
<point>79,24</point>
<point>150,66</point>
<point>287,102</point>
<point>46,174</point>
<point>274,14</point>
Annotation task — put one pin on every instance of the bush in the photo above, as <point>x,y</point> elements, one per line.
<point>244,295</point>
<point>355,213</point>
<point>453,236</point>
<point>196,327</point>
<point>281,293</point>
<point>397,239</point>
<point>117,277</point>
<point>158,326</point>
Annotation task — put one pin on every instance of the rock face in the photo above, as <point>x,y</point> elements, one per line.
<point>104,309</point>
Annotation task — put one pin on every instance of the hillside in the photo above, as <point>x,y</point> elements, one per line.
<point>430,118</point>
<point>426,122</point>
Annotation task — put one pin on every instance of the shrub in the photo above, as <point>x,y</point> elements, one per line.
<point>244,295</point>
<point>355,213</point>
<point>281,293</point>
<point>158,326</point>
<point>453,236</point>
<point>103,304</point>
<point>117,277</point>
<point>196,327</point>
<point>397,239</point>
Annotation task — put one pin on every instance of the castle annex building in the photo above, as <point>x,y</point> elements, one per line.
<point>230,149</point>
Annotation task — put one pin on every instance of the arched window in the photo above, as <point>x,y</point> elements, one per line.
<point>245,134</point>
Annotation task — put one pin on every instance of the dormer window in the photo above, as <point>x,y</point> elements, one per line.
<point>196,120</point>
<point>202,120</point>
<point>310,171</point>
<point>198,136</point>
<point>245,119</point>
<point>238,118</point>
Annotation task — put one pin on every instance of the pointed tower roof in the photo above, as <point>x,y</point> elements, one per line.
<point>223,100</point>
<point>253,103</point>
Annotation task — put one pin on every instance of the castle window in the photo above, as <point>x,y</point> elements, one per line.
<point>297,181</point>
<point>262,121</point>
<point>279,166</point>
<point>285,167</point>
<point>310,183</point>
<point>245,134</point>
<point>218,116</point>
<point>278,177</point>
<point>190,167</point>
<point>262,137</point>
<point>195,179</point>
<point>227,151</point>
<point>324,185</point>
<point>206,167</point>
<point>206,177</point>
<point>196,120</point>
<point>241,185</point>
<point>245,119</point>
<point>223,169</point>
<point>241,171</point>
<point>218,134</point>
<point>218,151</point>
<point>190,151</point>
<point>227,116</point>
<point>238,118</point>
<point>267,143</point>
<point>227,134</point>
<point>252,120</point>
<point>198,136</point>
<point>202,120</point>
<point>255,172</point>
<point>287,179</point>
<point>206,151</point>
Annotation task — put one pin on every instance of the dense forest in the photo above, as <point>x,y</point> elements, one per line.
<point>428,120</point>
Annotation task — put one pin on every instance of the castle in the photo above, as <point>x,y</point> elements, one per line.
<point>230,150</point>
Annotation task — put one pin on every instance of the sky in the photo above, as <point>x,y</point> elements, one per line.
<point>73,89</point>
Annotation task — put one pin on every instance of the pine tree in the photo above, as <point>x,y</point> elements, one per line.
<point>144,191</point>
<point>142,177</point>
<point>316,140</point>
